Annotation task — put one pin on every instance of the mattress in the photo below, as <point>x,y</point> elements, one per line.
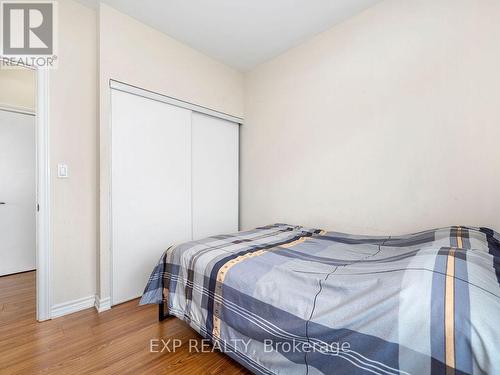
<point>286,299</point>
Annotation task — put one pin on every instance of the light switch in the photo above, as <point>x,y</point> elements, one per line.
<point>62,170</point>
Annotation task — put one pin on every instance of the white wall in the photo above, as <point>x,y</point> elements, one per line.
<point>134,53</point>
<point>387,123</point>
<point>17,88</point>
<point>73,140</point>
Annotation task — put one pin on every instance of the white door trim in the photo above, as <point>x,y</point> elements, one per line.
<point>131,89</point>
<point>17,109</point>
<point>43,217</point>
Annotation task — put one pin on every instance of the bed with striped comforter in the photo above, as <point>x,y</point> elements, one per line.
<point>285,299</point>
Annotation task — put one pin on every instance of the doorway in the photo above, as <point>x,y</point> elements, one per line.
<point>18,175</point>
<point>25,230</point>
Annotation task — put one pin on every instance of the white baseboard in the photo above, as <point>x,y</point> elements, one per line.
<point>102,304</point>
<point>70,307</point>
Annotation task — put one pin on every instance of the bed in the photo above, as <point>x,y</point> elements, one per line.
<point>285,299</point>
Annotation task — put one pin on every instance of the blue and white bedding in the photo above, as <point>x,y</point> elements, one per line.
<point>285,299</point>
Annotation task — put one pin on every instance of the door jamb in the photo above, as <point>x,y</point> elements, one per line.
<point>43,214</point>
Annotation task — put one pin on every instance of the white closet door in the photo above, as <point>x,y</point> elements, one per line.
<point>151,187</point>
<point>214,176</point>
<point>17,193</point>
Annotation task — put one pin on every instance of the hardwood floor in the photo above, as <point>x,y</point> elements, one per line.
<point>113,342</point>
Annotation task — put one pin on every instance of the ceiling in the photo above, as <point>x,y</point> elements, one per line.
<point>240,33</point>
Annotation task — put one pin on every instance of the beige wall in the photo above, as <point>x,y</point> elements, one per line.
<point>73,140</point>
<point>387,123</point>
<point>134,53</point>
<point>17,88</point>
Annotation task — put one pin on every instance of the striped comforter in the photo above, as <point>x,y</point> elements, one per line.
<point>285,299</point>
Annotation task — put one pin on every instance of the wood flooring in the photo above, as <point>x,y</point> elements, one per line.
<point>113,342</point>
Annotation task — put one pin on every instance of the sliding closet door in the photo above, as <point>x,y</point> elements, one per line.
<point>151,187</point>
<point>215,176</point>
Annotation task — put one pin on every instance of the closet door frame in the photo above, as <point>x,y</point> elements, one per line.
<point>104,303</point>
<point>131,89</point>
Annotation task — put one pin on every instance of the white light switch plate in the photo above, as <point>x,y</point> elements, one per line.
<point>62,170</point>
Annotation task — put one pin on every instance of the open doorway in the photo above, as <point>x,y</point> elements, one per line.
<point>31,98</point>
<point>18,182</point>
